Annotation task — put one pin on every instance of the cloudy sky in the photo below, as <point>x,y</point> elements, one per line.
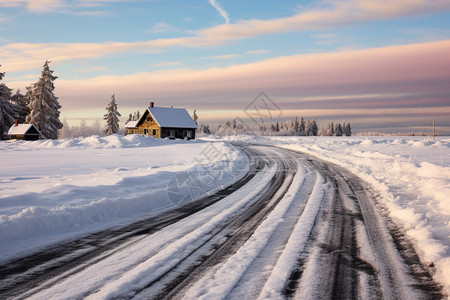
<point>380,64</point>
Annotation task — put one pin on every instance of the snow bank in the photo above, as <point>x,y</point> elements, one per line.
<point>57,189</point>
<point>95,141</point>
<point>412,176</point>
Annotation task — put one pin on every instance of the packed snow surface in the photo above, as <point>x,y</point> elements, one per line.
<point>411,175</point>
<point>56,190</point>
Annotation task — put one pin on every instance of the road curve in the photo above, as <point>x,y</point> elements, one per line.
<point>292,227</point>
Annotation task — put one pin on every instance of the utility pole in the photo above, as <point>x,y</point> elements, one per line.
<point>434,129</point>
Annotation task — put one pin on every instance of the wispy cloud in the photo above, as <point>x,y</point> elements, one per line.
<point>93,69</point>
<point>226,56</point>
<point>167,64</point>
<point>3,18</point>
<point>221,11</point>
<point>43,6</point>
<point>381,71</point>
<point>163,27</point>
<point>326,38</point>
<point>35,5</point>
<point>257,52</point>
<point>22,56</point>
<point>328,14</point>
<point>92,13</point>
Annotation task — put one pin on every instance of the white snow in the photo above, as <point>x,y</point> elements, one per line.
<point>172,117</point>
<point>58,189</point>
<point>19,129</point>
<point>411,175</point>
<point>131,124</point>
<point>296,243</point>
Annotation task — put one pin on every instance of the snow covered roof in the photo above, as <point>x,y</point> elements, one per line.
<point>131,124</point>
<point>172,117</point>
<point>19,129</point>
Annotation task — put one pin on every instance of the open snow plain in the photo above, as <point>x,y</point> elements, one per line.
<point>53,191</point>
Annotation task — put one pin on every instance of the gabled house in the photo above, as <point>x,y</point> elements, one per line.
<point>162,122</point>
<point>23,132</point>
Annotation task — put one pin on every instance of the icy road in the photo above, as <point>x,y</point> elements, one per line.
<point>293,227</point>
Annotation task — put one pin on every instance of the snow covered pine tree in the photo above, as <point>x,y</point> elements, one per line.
<point>22,101</point>
<point>8,110</point>
<point>111,117</point>
<point>44,105</point>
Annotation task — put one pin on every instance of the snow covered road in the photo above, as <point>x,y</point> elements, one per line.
<point>292,227</point>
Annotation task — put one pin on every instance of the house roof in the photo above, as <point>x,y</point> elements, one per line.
<point>131,124</point>
<point>172,117</point>
<point>20,129</point>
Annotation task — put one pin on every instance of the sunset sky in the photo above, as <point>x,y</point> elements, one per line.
<point>383,65</point>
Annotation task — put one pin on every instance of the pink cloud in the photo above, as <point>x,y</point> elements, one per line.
<point>417,68</point>
<point>372,77</point>
<point>327,14</point>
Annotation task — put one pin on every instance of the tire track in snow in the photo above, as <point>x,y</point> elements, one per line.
<point>36,272</point>
<point>318,233</point>
<point>353,253</point>
<point>233,235</point>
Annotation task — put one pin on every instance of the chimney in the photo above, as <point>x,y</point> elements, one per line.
<point>16,123</point>
<point>152,104</point>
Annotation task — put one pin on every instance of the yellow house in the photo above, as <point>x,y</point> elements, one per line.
<point>162,122</point>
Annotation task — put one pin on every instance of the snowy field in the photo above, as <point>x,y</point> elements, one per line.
<point>55,190</point>
<point>58,189</point>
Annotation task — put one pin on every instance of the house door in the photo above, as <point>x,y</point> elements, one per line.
<point>187,134</point>
<point>171,134</point>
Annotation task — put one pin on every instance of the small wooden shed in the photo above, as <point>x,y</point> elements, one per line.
<point>162,122</point>
<point>23,132</point>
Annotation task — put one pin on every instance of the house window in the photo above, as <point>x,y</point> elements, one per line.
<point>187,134</point>
<point>171,133</point>
<point>154,132</point>
<point>146,131</point>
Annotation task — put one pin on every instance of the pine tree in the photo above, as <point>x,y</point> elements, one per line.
<point>22,101</point>
<point>347,129</point>
<point>330,130</point>
<point>314,128</point>
<point>308,129</point>
<point>204,128</point>
<point>44,106</point>
<point>296,125</point>
<point>8,111</point>
<point>111,117</point>
<point>66,131</point>
<point>302,127</point>
<point>195,117</point>
<point>338,130</point>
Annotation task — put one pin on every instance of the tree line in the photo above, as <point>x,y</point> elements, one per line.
<point>38,106</point>
<point>292,127</point>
